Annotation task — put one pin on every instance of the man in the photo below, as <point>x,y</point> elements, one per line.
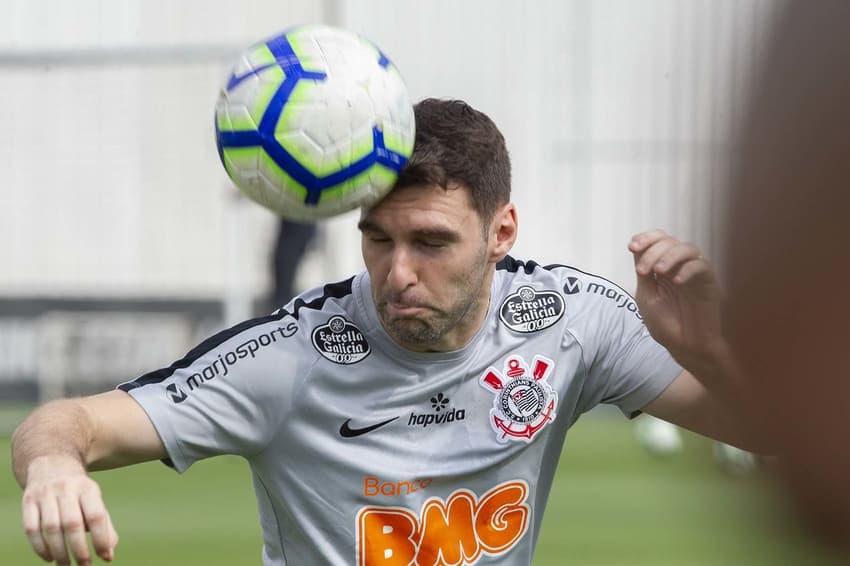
<point>413,414</point>
<point>293,240</point>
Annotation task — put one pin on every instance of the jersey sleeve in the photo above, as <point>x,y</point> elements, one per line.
<point>228,395</point>
<point>624,365</point>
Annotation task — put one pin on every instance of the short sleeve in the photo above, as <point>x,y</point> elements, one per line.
<point>624,365</point>
<point>226,396</point>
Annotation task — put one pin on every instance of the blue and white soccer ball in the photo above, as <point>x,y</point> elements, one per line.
<point>314,122</point>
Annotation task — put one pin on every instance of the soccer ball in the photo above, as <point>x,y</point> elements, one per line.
<point>314,122</point>
<point>658,437</point>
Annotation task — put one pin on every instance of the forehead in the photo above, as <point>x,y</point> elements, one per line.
<point>419,206</point>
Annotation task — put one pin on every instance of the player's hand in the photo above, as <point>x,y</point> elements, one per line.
<point>60,503</point>
<point>678,296</point>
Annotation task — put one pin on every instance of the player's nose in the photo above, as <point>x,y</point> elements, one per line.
<point>402,273</point>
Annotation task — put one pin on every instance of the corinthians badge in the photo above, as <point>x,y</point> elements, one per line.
<point>524,401</point>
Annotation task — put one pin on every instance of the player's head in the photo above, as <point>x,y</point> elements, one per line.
<point>456,145</point>
<point>431,244</point>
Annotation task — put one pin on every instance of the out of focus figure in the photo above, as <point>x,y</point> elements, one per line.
<point>788,252</point>
<point>293,240</point>
<point>664,439</point>
<point>657,437</point>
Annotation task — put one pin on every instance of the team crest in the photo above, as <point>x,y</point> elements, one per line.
<point>528,310</point>
<point>340,341</point>
<point>524,401</point>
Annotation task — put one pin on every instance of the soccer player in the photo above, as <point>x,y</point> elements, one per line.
<point>414,413</point>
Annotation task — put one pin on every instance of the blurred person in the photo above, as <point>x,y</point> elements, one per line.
<point>788,258</point>
<point>293,240</point>
<point>661,438</point>
<point>415,412</point>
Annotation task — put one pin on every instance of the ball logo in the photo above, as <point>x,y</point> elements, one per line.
<point>524,401</point>
<point>528,310</point>
<point>337,325</point>
<point>340,341</point>
<point>455,531</point>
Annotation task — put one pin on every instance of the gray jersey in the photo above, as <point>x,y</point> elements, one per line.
<point>365,453</point>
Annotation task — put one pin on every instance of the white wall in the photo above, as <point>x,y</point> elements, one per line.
<point>617,115</point>
<point>112,182</point>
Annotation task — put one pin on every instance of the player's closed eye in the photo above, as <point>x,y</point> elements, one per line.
<point>432,244</point>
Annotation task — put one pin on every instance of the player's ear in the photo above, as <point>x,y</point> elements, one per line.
<point>503,231</point>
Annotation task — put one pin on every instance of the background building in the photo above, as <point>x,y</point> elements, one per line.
<point>124,241</point>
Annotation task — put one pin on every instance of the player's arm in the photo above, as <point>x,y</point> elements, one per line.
<point>52,451</point>
<point>687,403</point>
<point>679,299</point>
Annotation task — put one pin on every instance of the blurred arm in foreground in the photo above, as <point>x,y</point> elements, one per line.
<point>788,259</point>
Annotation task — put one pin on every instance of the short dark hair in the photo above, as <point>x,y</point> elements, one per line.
<point>457,144</point>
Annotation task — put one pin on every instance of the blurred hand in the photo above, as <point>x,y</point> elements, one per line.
<point>60,503</point>
<point>678,297</point>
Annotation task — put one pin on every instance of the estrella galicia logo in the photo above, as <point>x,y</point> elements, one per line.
<point>528,310</point>
<point>340,341</point>
<point>572,286</point>
<point>175,393</point>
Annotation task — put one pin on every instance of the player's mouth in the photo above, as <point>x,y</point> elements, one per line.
<point>403,310</point>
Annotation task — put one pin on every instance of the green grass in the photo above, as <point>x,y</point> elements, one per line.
<point>611,504</point>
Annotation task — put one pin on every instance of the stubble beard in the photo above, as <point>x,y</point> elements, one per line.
<point>425,332</point>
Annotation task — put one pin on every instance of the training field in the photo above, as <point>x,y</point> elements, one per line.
<point>611,505</point>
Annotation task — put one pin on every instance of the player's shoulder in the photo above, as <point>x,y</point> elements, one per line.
<point>332,320</point>
<point>295,321</point>
<point>329,298</point>
<point>319,305</point>
<point>556,273</point>
<point>579,288</point>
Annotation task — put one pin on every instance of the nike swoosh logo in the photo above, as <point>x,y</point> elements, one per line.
<point>235,80</point>
<point>347,432</point>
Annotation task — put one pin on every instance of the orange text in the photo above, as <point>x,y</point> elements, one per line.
<point>446,533</point>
